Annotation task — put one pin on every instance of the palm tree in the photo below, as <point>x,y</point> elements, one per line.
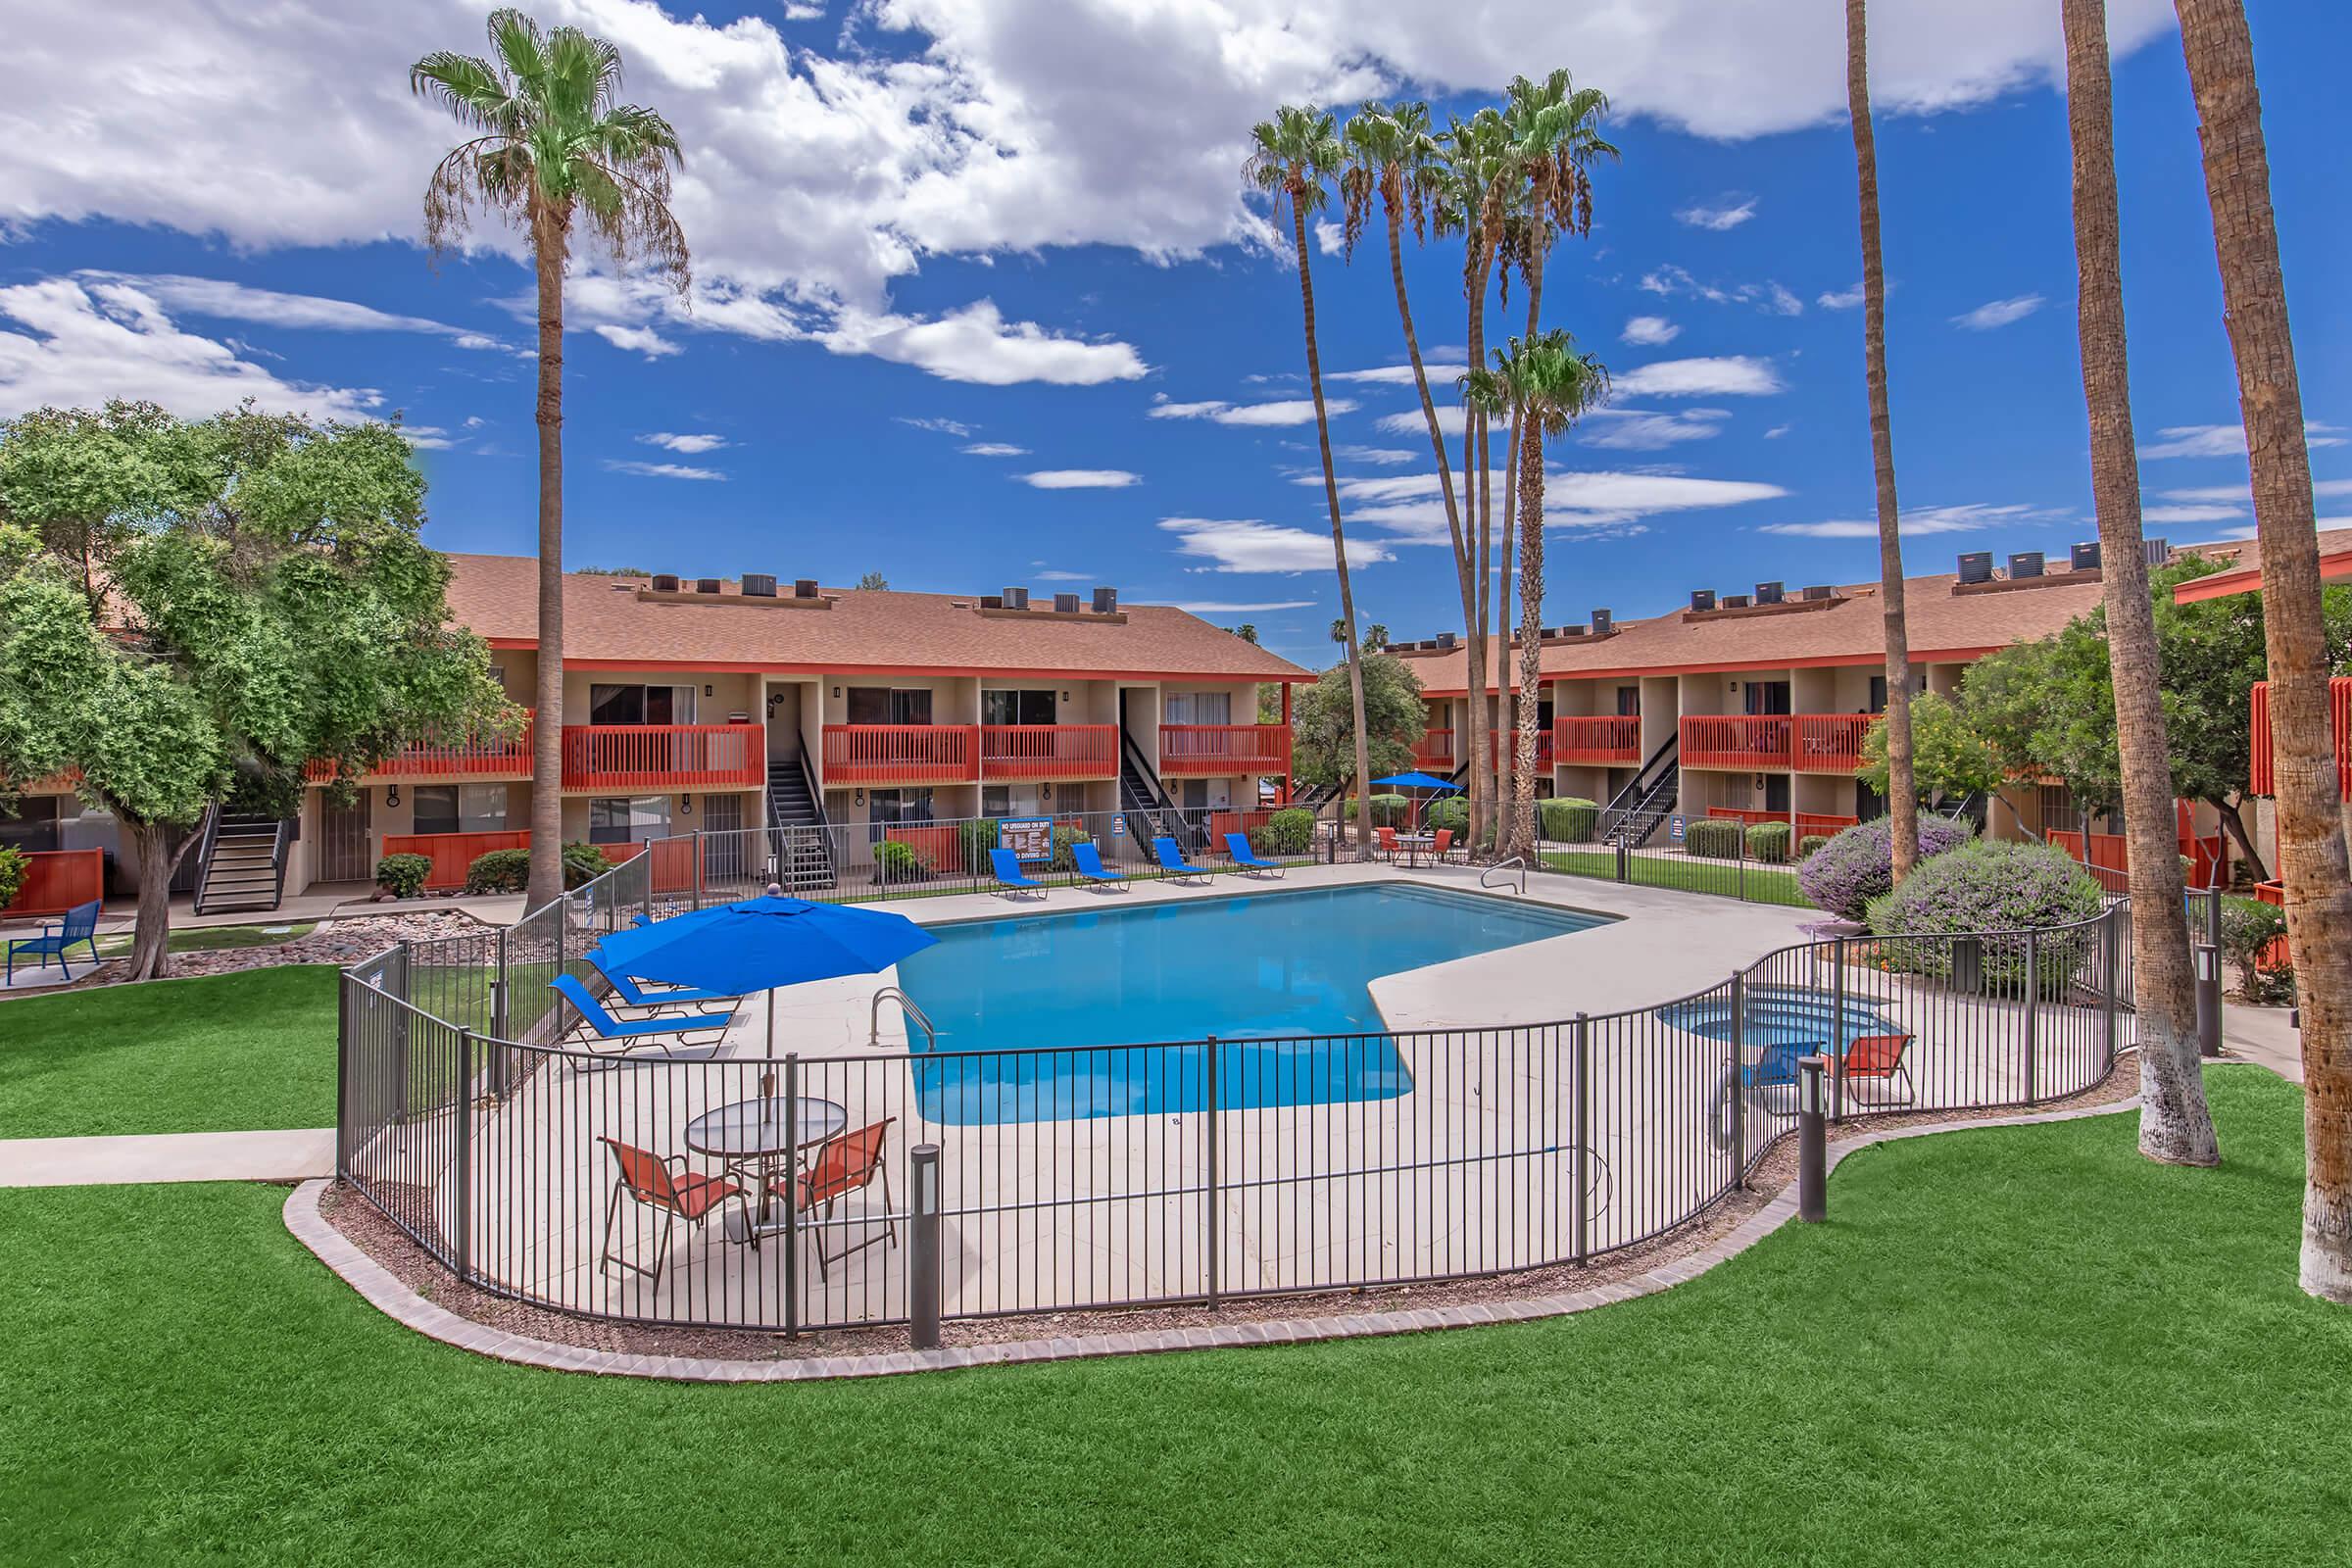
<point>1544,385</point>
<point>2311,836</point>
<point>550,146</point>
<point>2175,1125</point>
<point>1291,160</point>
<point>1902,790</point>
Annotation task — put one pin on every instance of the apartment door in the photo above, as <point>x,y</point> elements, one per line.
<point>783,723</point>
<point>1766,696</point>
<point>343,841</point>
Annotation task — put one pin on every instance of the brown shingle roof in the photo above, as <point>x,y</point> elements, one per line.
<point>605,620</point>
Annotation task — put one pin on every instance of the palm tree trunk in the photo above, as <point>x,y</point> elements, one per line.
<point>1512,767</point>
<point>1473,563</point>
<point>1506,764</point>
<point>546,880</point>
<point>1902,792</point>
<point>1338,545</point>
<point>2311,835</point>
<point>2175,1125</point>
<point>1531,632</point>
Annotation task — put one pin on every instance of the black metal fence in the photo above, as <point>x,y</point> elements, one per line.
<point>708,1184</point>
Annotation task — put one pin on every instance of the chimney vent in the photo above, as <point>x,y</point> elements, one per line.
<point>665,582</point>
<point>1016,597</point>
<point>1600,623</point>
<point>1768,593</point>
<point>1735,601</point>
<point>2085,557</point>
<point>759,585</point>
<point>1065,603</point>
<point>1703,599</point>
<point>1976,566</point>
<point>804,588</point>
<point>2025,564</point>
<point>2160,552</point>
<point>1819,590</point>
<point>1107,600</point>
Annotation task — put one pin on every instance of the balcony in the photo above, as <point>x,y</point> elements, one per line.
<point>1506,744</point>
<point>2339,709</point>
<point>1776,743</point>
<point>902,754</point>
<point>1022,754</point>
<point>476,757</point>
<point>1216,750</point>
<point>1433,752</point>
<point>1611,741</point>
<point>615,758</point>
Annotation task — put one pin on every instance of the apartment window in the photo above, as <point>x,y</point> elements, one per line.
<point>1199,707</point>
<point>1877,689</point>
<point>459,808</point>
<point>885,704</point>
<point>629,819</point>
<point>639,704</point>
<point>1629,702</point>
<point>33,826</point>
<point>1766,696</point>
<point>1010,799</point>
<point>896,808</point>
<point>2059,814</point>
<point>1017,707</point>
<point>1776,792</point>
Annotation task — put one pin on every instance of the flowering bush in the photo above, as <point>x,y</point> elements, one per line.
<point>403,875</point>
<point>1993,887</point>
<point>1856,867</point>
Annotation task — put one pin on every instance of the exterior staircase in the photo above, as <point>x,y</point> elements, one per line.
<point>1150,809</point>
<point>799,841</point>
<point>1635,812</point>
<point>243,865</point>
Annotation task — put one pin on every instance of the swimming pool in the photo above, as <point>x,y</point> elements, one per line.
<point>1273,963</point>
<point>1782,1019</point>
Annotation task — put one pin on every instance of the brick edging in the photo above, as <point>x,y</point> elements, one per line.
<point>385,1292</point>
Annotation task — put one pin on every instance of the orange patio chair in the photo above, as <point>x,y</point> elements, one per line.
<point>845,1163</point>
<point>678,1194</point>
<point>1387,837</point>
<point>1442,845</point>
<point>1880,1058</point>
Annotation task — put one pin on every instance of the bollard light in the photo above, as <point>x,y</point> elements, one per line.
<point>1812,1143</point>
<point>2207,960</point>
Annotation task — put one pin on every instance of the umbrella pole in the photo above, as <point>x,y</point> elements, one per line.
<point>771,1023</point>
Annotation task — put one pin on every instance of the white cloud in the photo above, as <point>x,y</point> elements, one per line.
<point>1289,411</point>
<point>661,471</point>
<point>1219,607</point>
<point>1249,545</point>
<point>1380,457</point>
<point>1439,373</point>
<point>1329,237</point>
<point>1640,430</point>
<point>937,422</point>
<point>1843,299</point>
<point>2227,440</point>
<point>636,340</point>
<point>1727,375</point>
<point>1778,431</point>
<point>689,445</point>
<point>1408,508</point>
<point>1965,518</point>
<point>1651,331</point>
<point>77,344</point>
<point>1998,313</point>
<point>1062,576</point>
<point>977,344</point>
<point>223,300</point>
<point>1079,479</point>
<point>2190,513</point>
<point>993,449</point>
<point>1770,296</point>
<point>1412,421</point>
<point>1730,212</point>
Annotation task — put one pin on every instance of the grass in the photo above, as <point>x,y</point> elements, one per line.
<point>1762,884</point>
<point>212,938</point>
<point>213,1055</point>
<point>2014,1344</point>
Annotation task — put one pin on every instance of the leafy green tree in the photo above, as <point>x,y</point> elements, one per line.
<point>873,582</point>
<point>1323,748</point>
<point>187,609</point>
<point>1951,758</point>
<point>548,149</point>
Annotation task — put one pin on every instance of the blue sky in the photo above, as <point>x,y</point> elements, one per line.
<point>916,241</point>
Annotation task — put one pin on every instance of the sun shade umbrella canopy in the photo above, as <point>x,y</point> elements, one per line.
<point>1417,781</point>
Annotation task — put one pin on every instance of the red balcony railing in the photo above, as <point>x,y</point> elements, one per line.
<point>1610,740</point>
<point>453,854</point>
<point>476,758</point>
<point>2339,709</point>
<point>1433,752</point>
<point>664,757</point>
<point>57,880</point>
<point>1506,743</point>
<point>1806,743</point>
<point>902,754</point>
<point>1022,752</point>
<point>1206,750</point>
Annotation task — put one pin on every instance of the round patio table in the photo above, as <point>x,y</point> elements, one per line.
<point>751,1136</point>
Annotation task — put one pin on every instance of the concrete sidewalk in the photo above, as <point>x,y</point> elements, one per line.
<point>262,1156</point>
<point>2264,1036</point>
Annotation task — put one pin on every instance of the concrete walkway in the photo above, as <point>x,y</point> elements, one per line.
<point>2265,1037</point>
<point>262,1156</point>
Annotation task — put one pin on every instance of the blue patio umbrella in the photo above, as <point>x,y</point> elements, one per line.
<point>1417,781</point>
<point>760,944</point>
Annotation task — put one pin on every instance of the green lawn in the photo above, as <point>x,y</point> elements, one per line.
<point>212,938</point>
<point>212,1054</point>
<point>2013,1345</point>
<point>1758,884</point>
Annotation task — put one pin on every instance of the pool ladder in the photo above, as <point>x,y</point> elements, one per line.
<point>914,1014</point>
<point>1504,870</point>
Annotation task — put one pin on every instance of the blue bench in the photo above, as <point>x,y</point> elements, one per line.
<point>80,928</point>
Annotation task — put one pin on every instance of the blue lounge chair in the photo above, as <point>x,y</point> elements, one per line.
<point>1173,861</point>
<point>671,998</point>
<point>1090,866</point>
<point>1777,1068</point>
<point>630,1033</point>
<point>80,928</point>
<point>1237,844</point>
<point>1011,880</point>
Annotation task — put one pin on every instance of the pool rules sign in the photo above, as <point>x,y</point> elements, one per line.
<point>1029,838</point>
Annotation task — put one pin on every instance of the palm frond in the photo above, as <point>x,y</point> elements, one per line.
<point>475,95</point>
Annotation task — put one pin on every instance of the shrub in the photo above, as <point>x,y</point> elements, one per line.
<point>1712,838</point>
<point>1288,831</point>
<point>976,839</point>
<point>1993,887</point>
<point>1809,843</point>
<point>2248,928</point>
<point>1452,811</point>
<point>403,875</point>
<point>12,867</point>
<point>1064,839</point>
<point>897,861</point>
<point>499,871</point>
<point>1565,818</point>
<point>1767,840</point>
<point>583,863</point>
<point>1388,811</point>
<point>1857,866</point>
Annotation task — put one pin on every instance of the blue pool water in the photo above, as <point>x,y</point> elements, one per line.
<point>1276,964</point>
<point>1784,1023</point>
